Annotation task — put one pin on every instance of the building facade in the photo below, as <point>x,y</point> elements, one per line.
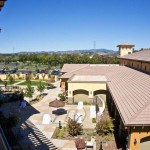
<point>125,88</point>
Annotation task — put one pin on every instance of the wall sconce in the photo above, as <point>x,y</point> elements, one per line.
<point>135,141</point>
<point>91,92</point>
<point>69,92</point>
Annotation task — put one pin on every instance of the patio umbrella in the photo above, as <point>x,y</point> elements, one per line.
<point>57,104</point>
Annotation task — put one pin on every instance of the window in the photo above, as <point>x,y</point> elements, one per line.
<point>129,52</point>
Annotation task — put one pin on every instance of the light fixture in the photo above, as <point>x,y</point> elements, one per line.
<point>135,141</point>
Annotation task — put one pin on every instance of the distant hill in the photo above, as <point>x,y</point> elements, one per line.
<point>90,51</point>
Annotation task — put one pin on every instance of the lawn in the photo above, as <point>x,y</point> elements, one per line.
<point>34,83</point>
<point>8,83</point>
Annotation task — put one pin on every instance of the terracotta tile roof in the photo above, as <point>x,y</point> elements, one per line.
<point>72,67</point>
<point>130,90</point>
<point>125,44</point>
<point>91,70</point>
<point>139,56</point>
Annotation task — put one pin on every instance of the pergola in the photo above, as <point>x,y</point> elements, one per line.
<point>2,2</point>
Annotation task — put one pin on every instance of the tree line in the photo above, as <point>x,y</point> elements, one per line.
<point>60,59</point>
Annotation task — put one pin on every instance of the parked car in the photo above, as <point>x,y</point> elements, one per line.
<point>50,87</point>
<point>55,72</point>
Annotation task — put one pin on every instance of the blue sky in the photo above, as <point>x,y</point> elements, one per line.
<point>46,25</point>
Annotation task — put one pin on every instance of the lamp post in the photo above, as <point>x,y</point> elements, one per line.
<point>60,126</point>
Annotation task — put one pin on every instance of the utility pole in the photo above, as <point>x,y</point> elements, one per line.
<point>94,45</point>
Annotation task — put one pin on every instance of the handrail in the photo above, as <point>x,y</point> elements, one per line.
<point>4,140</point>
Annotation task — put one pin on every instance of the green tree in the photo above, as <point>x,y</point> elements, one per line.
<point>95,59</point>
<point>73,127</point>
<point>11,79</point>
<point>40,87</point>
<point>29,91</point>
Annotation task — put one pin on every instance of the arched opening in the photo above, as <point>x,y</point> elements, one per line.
<point>101,93</point>
<point>145,143</point>
<point>80,95</point>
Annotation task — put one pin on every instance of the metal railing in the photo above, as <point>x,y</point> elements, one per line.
<point>4,141</point>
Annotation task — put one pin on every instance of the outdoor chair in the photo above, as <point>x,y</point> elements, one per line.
<point>46,119</point>
<point>92,111</point>
<point>89,145</point>
<point>80,105</point>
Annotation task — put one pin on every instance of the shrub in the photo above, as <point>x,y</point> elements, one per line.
<point>73,127</point>
<point>61,134</point>
<point>85,102</point>
<point>105,126</point>
<point>91,133</point>
<point>62,97</point>
<point>107,138</point>
<point>56,133</point>
<point>11,79</point>
<point>93,120</point>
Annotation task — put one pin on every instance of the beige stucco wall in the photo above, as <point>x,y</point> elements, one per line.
<point>90,87</point>
<point>137,133</point>
<point>147,66</point>
<point>135,64</point>
<point>23,76</point>
<point>4,76</point>
<point>124,51</point>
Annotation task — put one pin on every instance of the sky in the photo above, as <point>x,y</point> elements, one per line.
<point>58,25</point>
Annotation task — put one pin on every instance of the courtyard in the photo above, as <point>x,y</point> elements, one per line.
<point>36,135</point>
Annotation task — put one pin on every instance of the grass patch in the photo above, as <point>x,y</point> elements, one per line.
<point>8,83</point>
<point>34,83</point>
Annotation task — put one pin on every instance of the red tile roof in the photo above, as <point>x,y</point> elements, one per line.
<point>72,67</point>
<point>131,92</point>
<point>139,56</point>
<point>129,88</point>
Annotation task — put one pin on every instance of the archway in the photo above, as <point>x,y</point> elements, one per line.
<point>145,143</point>
<point>80,95</point>
<point>102,94</point>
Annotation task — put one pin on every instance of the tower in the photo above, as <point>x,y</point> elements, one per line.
<point>125,49</point>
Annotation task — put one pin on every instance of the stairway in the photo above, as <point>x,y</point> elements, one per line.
<point>37,140</point>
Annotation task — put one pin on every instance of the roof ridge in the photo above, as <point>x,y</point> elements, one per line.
<point>77,69</point>
<point>139,112</point>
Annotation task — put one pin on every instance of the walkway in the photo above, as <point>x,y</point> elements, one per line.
<point>19,82</point>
